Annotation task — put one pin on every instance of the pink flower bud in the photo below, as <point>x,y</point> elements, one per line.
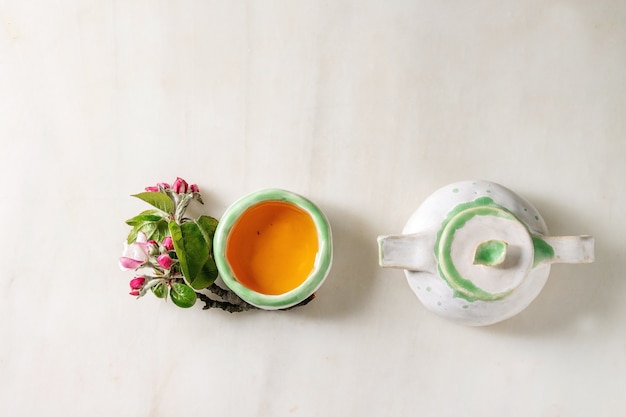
<point>165,261</point>
<point>168,243</point>
<point>137,282</point>
<point>134,292</point>
<point>163,185</point>
<point>180,186</point>
<point>194,188</point>
<point>153,247</point>
<point>152,189</point>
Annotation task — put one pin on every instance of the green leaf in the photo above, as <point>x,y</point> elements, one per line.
<point>207,275</point>
<point>132,236</point>
<point>207,226</point>
<point>182,295</point>
<point>193,245</point>
<point>153,230</point>
<point>146,216</point>
<point>160,290</point>
<point>148,228</point>
<point>161,231</point>
<point>158,200</point>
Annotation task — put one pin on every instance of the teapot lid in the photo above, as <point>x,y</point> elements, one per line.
<point>483,251</point>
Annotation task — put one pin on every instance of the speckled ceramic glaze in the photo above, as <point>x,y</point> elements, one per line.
<point>322,261</point>
<point>478,253</point>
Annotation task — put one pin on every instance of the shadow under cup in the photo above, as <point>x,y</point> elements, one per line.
<point>273,248</point>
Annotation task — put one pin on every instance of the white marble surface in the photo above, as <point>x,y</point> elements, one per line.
<point>365,107</point>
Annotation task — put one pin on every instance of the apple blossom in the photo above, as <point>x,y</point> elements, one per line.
<point>165,261</point>
<point>135,254</point>
<point>153,247</point>
<point>165,267</point>
<point>168,243</point>
<point>137,282</point>
<point>180,186</point>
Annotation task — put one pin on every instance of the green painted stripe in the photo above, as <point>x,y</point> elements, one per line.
<point>455,220</point>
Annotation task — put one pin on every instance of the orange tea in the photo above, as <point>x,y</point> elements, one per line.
<point>272,247</point>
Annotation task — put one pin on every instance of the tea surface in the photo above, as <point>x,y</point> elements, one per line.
<point>272,247</point>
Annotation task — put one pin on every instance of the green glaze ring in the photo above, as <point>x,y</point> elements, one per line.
<point>489,253</point>
<point>456,219</point>
<point>322,262</point>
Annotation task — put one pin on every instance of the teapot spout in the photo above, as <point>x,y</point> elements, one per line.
<point>566,249</point>
<point>410,252</point>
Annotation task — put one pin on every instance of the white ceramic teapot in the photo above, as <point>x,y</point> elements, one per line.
<point>476,252</point>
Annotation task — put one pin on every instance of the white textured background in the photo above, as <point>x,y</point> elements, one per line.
<point>365,107</point>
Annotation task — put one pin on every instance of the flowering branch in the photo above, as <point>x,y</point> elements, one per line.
<point>172,254</point>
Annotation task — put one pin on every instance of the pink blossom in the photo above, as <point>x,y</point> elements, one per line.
<point>163,185</point>
<point>129,263</point>
<point>168,243</point>
<point>152,189</point>
<point>194,188</point>
<point>137,282</point>
<point>153,247</point>
<point>165,261</point>
<point>135,254</point>
<point>134,292</point>
<point>180,186</point>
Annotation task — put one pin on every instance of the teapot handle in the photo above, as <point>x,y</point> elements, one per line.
<point>570,249</point>
<point>412,252</point>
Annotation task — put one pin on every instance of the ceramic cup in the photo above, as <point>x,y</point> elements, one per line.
<point>273,248</point>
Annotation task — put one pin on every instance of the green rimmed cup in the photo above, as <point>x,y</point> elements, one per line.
<point>273,248</point>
